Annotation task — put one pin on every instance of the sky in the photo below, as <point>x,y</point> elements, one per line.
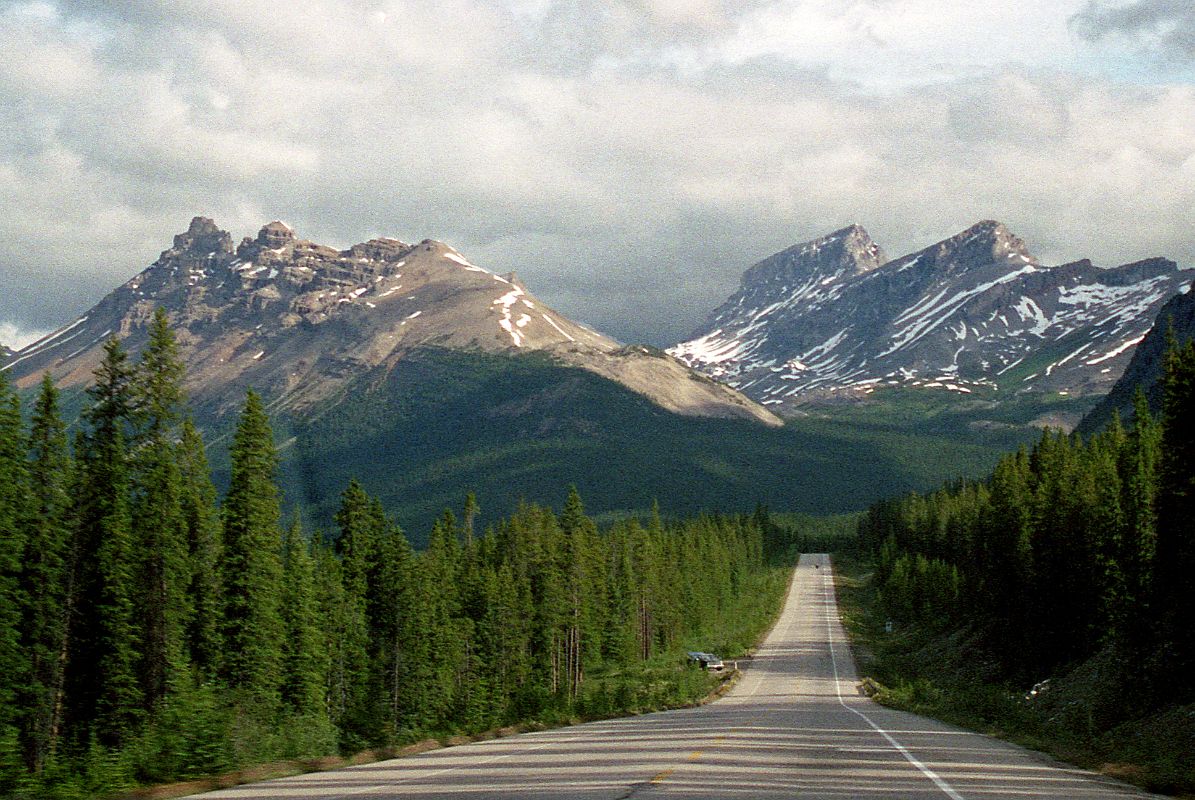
<point>629,158</point>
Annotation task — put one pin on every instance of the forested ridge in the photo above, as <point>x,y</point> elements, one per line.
<point>1075,558</point>
<point>150,631</point>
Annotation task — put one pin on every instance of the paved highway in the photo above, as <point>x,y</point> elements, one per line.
<point>794,726</point>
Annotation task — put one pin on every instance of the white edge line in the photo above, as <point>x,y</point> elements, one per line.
<point>912,759</point>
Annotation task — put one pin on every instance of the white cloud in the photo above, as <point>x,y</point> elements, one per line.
<point>16,337</point>
<point>628,158</point>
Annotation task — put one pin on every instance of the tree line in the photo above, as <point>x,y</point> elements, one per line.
<point>150,630</point>
<point>1066,549</point>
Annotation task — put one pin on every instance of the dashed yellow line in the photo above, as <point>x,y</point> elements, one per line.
<point>662,776</point>
<point>696,754</point>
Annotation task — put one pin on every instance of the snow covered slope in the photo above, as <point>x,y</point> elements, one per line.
<point>976,311</point>
<point>1176,318</point>
<point>299,321</point>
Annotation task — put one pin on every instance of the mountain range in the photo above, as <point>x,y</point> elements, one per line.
<point>299,321</point>
<point>425,376</point>
<point>975,314</point>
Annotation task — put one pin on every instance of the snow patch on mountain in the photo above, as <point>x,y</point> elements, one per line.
<point>832,316</point>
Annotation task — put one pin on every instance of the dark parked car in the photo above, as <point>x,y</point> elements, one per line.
<point>707,661</point>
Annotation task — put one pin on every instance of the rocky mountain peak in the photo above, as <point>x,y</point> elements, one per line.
<point>845,252</point>
<point>203,237</point>
<point>275,234</point>
<point>275,237</point>
<point>300,320</point>
<point>973,313</point>
<point>985,242</point>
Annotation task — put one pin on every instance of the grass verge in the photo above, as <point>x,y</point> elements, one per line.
<point>950,677</point>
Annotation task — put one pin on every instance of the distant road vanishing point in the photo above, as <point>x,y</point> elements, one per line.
<point>794,727</point>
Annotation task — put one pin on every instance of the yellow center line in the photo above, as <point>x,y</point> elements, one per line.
<point>662,776</point>
<point>696,754</point>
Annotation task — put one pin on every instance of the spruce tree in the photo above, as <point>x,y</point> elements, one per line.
<point>1005,556</point>
<point>1175,562</point>
<point>1139,468</point>
<point>105,692</point>
<point>46,578</point>
<point>357,545</point>
<point>389,606</point>
<point>14,663</point>
<point>251,565</point>
<point>304,656</point>
<point>204,543</point>
<point>159,525</point>
<point>436,623</point>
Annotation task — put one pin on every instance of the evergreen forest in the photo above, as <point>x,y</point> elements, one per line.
<point>152,631</point>
<point>1075,557</point>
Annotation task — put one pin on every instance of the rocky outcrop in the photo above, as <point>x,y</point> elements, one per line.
<point>299,320</point>
<point>976,312</point>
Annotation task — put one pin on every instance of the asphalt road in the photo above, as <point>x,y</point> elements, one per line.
<point>794,727</point>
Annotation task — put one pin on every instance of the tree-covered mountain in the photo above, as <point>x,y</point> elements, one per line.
<point>441,421</point>
<point>975,314</point>
<point>1175,319</point>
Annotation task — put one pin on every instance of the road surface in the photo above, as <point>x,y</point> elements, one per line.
<point>794,727</point>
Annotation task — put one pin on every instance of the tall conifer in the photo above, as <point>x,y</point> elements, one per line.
<point>106,693</point>
<point>204,543</point>
<point>46,578</point>
<point>1175,564</point>
<point>14,662</point>
<point>159,526</point>
<point>251,565</point>
<point>304,656</point>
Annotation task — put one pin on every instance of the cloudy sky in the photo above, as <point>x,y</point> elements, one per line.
<point>630,158</point>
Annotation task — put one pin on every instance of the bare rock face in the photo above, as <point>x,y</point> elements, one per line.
<point>299,320</point>
<point>976,312</point>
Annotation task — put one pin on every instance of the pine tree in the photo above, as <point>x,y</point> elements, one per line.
<point>304,656</point>
<point>159,525</point>
<point>1004,554</point>
<point>105,693</point>
<point>204,542</point>
<point>1175,561</point>
<point>578,568</point>
<point>45,578</point>
<point>251,565</point>
<point>390,622</point>
<point>357,545</point>
<point>1138,468</point>
<point>14,662</point>
<point>436,622</point>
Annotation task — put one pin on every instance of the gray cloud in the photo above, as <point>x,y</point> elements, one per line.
<point>623,157</point>
<point>1165,25</point>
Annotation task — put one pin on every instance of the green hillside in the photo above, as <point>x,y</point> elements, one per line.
<point>442,423</point>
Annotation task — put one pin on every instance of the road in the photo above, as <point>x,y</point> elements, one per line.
<point>794,726</point>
